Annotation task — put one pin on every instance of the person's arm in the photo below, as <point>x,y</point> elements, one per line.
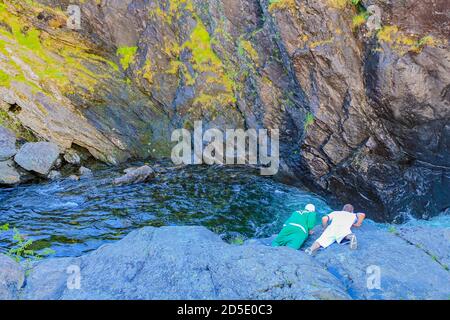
<point>361,217</point>
<point>311,222</point>
<point>325,220</point>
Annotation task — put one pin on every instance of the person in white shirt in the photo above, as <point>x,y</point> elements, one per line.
<point>337,227</point>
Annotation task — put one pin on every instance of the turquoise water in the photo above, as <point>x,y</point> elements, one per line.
<point>441,221</point>
<point>73,218</point>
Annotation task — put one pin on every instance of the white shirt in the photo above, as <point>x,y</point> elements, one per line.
<point>343,218</point>
<point>342,221</point>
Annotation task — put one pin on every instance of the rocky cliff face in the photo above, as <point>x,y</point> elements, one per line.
<point>363,114</point>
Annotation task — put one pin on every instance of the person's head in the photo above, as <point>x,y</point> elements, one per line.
<point>310,207</point>
<point>348,208</point>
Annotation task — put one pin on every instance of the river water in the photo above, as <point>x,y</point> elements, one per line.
<point>75,217</point>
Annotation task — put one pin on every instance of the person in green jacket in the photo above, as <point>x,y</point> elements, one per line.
<point>297,228</point>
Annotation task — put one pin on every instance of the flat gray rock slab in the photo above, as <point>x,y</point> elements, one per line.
<point>185,263</point>
<point>194,263</point>
<point>11,278</point>
<point>434,240</point>
<point>7,144</point>
<point>405,271</point>
<point>38,157</point>
<point>8,173</point>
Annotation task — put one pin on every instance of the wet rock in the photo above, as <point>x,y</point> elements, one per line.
<point>38,157</point>
<point>58,163</point>
<point>135,175</point>
<point>54,175</point>
<point>12,278</point>
<point>185,263</point>
<point>8,173</point>
<point>7,144</point>
<point>71,156</point>
<point>74,177</point>
<point>85,172</point>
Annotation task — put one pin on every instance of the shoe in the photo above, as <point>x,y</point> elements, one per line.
<point>309,252</point>
<point>353,242</point>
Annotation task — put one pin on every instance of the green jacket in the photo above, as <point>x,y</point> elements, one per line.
<point>306,219</point>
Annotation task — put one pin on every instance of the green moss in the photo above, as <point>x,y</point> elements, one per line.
<point>61,58</point>
<point>14,125</point>
<point>309,120</point>
<point>209,74</point>
<point>4,79</point>
<point>392,230</point>
<point>359,20</point>
<point>127,56</point>
<point>203,57</point>
<point>205,60</point>
<point>239,240</point>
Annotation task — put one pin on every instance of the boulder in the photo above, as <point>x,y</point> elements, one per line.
<point>8,173</point>
<point>38,157</point>
<point>12,277</point>
<point>71,156</point>
<point>184,263</point>
<point>49,280</point>
<point>54,175</point>
<point>7,144</point>
<point>135,175</point>
<point>74,177</point>
<point>85,172</point>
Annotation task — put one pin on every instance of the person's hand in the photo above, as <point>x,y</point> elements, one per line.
<point>361,217</point>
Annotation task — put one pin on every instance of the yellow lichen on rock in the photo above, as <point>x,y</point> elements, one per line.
<point>402,42</point>
<point>147,72</point>
<point>206,62</point>
<point>246,47</point>
<point>201,68</point>
<point>275,5</point>
<point>338,4</point>
<point>43,60</point>
<point>127,55</point>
